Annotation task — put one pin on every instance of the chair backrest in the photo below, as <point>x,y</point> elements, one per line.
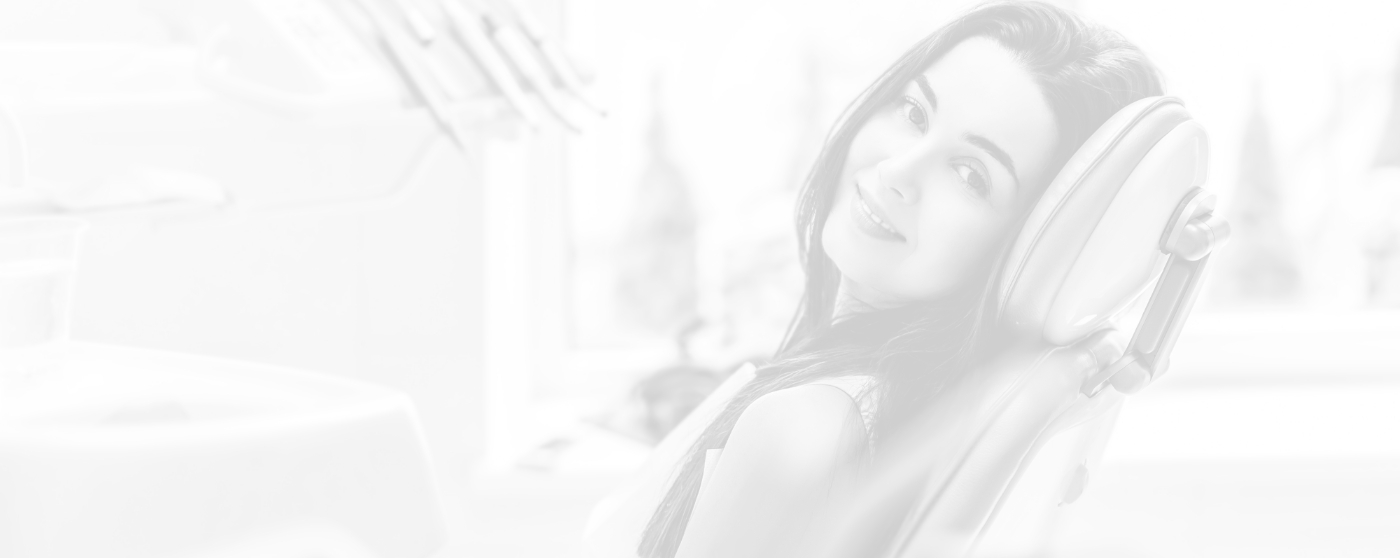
<point>1018,437</point>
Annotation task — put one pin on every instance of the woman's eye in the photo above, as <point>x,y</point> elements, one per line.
<point>974,179</point>
<point>915,114</point>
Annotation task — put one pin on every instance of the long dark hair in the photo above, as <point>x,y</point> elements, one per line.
<point>1085,72</point>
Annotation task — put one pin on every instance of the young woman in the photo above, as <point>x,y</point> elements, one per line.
<point>901,224</point>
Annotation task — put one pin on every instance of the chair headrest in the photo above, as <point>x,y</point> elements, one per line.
<point>1090,246</point>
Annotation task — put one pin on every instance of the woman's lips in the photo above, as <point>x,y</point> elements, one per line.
<point>870,220</point>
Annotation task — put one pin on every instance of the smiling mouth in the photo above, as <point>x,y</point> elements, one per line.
<point>872,223</point>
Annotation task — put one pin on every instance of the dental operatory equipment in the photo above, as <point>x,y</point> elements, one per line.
<point>467,30</point>
<point>553,55</point>
<point>278,106</point>
<point>398,50</point>
<point>525,58</point>
<point>417,22</point>
<point>124,452</point>
<point>117,451</point>
<point>514,53</point>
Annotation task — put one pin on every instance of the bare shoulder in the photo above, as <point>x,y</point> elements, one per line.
<point>782,469</point>
<point>797,434</point>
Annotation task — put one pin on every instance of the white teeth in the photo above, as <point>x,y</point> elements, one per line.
<point>871,214</point>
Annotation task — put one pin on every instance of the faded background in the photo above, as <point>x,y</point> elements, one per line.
<point>553,300</point>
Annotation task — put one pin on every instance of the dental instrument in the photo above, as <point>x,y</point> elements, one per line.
<point>425,30</point>
<point>396,49</point>
<point>553,56</point>
<point>416,21</point>
<point>468,32</point>
<point>516,48</point>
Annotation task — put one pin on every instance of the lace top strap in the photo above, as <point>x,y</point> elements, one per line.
<point>858,388</point>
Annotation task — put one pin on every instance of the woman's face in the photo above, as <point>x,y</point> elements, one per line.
<point>934,178</point>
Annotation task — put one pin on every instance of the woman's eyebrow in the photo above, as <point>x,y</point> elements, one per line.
<point>996,152</point>
<point>928,92</point>
<point>985,144</point>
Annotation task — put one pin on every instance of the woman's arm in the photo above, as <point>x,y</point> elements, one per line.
<point>790,457</point>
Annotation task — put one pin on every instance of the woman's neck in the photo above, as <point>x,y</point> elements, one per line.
<point>853,299</point>
<point>847,306</point>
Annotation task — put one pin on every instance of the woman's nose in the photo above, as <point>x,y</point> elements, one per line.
<point>901,177</point>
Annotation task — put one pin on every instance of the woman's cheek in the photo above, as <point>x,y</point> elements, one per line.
<point>950,243</point>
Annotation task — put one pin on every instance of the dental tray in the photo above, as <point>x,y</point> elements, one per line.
<point>115,452</point>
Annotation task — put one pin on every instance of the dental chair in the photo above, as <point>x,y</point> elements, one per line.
<point>986,471</point>
<point>996,457</point>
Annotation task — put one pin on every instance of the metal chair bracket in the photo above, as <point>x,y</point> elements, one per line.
<point>1193,232</point>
